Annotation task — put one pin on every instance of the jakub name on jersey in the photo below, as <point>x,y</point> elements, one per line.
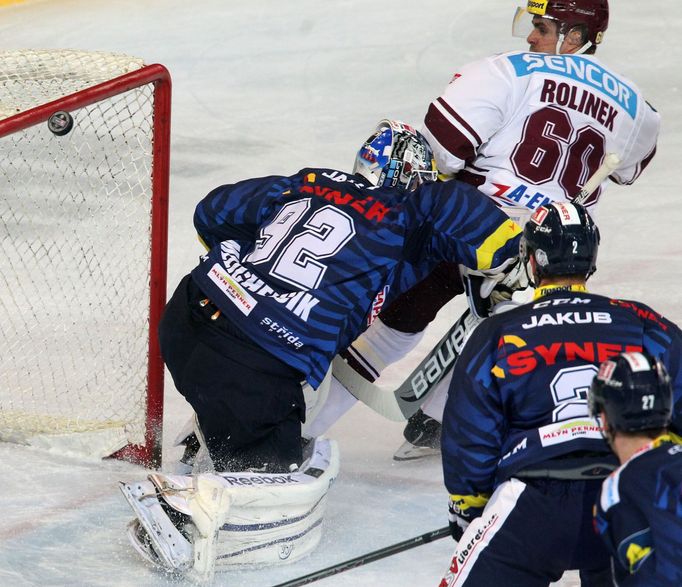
<point>561,318</point>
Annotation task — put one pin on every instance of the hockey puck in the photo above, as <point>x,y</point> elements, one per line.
<point>60,123</point>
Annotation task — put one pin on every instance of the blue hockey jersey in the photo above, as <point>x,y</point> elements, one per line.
<point>639,515</point>
<point>518,398</point>
<point>297,262</point>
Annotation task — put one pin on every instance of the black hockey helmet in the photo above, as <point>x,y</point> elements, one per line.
<point>635,392</point>
<point>563,239</point>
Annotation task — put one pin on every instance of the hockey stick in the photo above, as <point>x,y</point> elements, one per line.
<point>363,559</point>
<point>406,399</point>
<point>611,161</point>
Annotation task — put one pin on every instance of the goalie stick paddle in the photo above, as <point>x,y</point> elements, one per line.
<point>400,404</point>
<point>363,559</point>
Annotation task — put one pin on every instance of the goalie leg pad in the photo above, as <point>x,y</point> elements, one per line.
<point>195,524</point>
<point>209,504</point>
<point>277,518</point>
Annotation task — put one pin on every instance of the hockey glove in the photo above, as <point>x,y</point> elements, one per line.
<point>486,289</point>
<point>462,509</point>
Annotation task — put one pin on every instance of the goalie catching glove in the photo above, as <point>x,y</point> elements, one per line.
<point>489,290</point>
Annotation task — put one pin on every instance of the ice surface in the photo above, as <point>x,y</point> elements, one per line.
<point>267,86</point>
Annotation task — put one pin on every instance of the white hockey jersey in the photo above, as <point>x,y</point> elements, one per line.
<point>528,128</point>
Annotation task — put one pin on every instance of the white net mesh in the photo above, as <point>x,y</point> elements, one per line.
<point>74,250</point>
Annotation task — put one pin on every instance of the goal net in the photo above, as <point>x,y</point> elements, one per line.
<point>84,152</point>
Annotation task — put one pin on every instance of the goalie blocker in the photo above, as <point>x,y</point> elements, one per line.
<point>195,525</point>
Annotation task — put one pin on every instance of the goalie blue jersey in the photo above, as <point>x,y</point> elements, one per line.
<point>302,263</point>
<point>517,404</point>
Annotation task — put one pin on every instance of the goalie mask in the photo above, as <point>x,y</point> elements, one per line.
<point>396,155</point>
<point>635,392</point>
<point>562,239</point>
<point>591,17</point>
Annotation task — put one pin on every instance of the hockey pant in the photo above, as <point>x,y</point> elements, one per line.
<point>530,532</point>
<point>249,404</point>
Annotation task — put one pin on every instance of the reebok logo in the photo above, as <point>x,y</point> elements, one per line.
<point>258,480</point>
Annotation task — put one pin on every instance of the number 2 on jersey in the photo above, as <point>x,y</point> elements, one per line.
<point>294,245</point>
<point>569,389</point>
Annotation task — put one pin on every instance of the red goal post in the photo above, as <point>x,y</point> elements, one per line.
<point>84,244</point>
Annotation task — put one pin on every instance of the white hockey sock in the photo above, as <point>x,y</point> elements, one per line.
<point>381,345</point>
<point>338,401</point>
<point>434,405</point>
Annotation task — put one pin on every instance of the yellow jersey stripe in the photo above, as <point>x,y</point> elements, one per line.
<point>485,253</point>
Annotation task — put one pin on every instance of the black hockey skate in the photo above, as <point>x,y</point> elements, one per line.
<point>422,438</point>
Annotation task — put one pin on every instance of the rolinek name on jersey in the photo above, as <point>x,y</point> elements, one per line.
<point>583,101</point>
